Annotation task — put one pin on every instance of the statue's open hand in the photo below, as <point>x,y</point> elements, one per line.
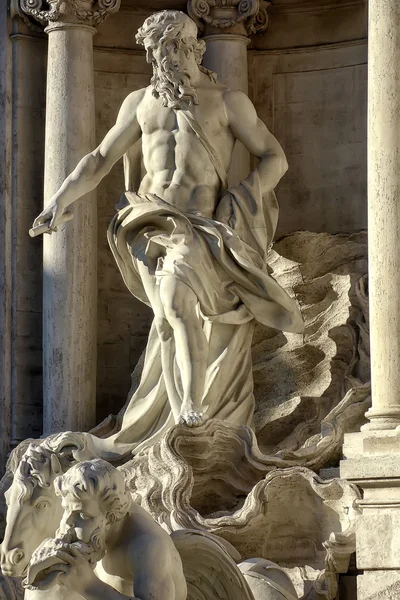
<point>49,219</point>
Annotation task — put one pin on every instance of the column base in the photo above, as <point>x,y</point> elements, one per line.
<point>384,585</point>
<point>386,419</point>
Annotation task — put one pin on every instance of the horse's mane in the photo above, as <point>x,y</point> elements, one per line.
<point>43,462</point>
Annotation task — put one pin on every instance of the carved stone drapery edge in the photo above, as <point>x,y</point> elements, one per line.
<point>88,12</point>
<point>252,13</point>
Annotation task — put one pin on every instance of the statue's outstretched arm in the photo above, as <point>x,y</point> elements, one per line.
<point>254,135</point>
<point>94,166</point>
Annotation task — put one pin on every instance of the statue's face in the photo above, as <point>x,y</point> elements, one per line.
<point>82,520</point>
<point>174,72</point>
<point>171,56</point>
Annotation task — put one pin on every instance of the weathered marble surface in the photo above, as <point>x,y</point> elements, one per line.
<point>221,481</point>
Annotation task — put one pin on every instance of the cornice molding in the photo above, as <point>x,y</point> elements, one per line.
<point>305,49</point>
<point>277,6</point>
<point>312,6</point>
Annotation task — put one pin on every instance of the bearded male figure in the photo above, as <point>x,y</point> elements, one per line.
<point>106,546</point>
<point>185,244</point>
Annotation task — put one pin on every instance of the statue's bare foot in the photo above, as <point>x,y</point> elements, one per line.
<point>191,417</point>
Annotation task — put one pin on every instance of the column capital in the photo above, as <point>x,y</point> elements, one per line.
<point>65,12</point>
<point>230,15</point>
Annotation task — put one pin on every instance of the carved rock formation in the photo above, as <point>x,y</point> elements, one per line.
<point>214,478</point>
<point>311,389</point>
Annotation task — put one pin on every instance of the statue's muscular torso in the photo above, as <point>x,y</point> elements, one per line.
<point>178,167</point>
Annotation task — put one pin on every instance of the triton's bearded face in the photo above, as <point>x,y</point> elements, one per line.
<point>85,525</point>
<point>174,69</point>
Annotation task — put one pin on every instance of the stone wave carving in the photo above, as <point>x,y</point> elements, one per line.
<point>215,479</point>
<point>311,389</point>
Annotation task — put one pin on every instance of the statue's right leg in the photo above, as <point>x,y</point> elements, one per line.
<point>165,334</point>
<point>180,308</point>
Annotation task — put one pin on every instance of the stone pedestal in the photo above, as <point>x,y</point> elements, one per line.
<point>372,461</point>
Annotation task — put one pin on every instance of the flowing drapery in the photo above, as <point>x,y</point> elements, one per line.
<point>223,261</point>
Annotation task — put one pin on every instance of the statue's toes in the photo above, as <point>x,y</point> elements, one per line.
<point>191,418</point>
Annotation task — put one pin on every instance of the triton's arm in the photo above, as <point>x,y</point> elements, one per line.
<point>95,165</point>
<point>254,135</point>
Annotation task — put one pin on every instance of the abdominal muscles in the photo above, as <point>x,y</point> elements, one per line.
<point>180,172</point>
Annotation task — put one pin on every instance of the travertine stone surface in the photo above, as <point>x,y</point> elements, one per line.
<point>372,456</point>
<point>325,58</point>
<point>250,16</point>
<point>384,211</point>
<point>312,388</point>
<point>372,462</point>
<point>226,27</point>
<point>299,23</point>
<point>29,71</point>
<point>213,480</point>
<point>379,585</point>
<point>226,55</point>
<point>69,258</point>
<point>303,96</point>
<point>123,322</point>
<point>216,479</point>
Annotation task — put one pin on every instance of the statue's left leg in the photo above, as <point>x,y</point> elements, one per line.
<point>180,309</point>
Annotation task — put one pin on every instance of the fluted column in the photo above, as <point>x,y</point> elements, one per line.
<point>70,255</point>
<point>226,26</point>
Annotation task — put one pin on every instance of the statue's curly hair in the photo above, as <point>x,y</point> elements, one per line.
<point>96,479</point>
<point>168,25</point>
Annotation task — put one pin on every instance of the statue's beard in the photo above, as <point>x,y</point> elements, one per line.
<point>171,83</point>
<point>93,551</point>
